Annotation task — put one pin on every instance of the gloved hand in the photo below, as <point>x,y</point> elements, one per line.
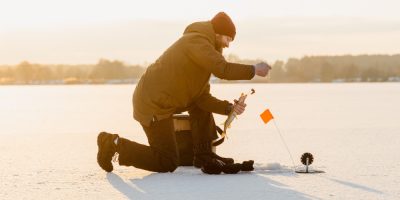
<point>239,107</point>
<point>262,69</point>
<point>247,165</point>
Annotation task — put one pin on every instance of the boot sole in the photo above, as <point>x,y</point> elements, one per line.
<point>100,143</point>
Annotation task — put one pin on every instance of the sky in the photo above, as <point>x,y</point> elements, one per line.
<point>137,32</point>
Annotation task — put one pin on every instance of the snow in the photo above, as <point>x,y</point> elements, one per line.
<point>48,144</point>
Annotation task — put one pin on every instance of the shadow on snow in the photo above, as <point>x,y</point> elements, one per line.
<point>190,183</point>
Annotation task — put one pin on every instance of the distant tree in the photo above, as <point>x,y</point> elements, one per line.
<point>327,73</point>
<point>134,71</point>
<point>350,72</point>
<point>72,72</point>
<point>59,72</point>
<point>395,71</point>
<point>7,72</point>
<point>106,69</point>
<point>369,75</point>
<point>43,73</point>
<point>278,72</point>
<point>293,70</point>
<point>24,72</point>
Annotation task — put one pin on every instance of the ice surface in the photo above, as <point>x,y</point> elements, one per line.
<point>48,144</point>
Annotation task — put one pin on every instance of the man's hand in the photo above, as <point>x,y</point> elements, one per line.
<point>239,107</point>
<point>262,69</point>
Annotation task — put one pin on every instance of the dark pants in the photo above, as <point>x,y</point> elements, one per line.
<point>162,154</point>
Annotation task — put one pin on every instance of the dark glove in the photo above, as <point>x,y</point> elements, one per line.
<point>232,168</point>
<point>247,165</point>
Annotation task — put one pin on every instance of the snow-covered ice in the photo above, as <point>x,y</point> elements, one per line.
<point>48,144</point>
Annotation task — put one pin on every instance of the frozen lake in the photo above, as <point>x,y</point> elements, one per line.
<point>48,144</point>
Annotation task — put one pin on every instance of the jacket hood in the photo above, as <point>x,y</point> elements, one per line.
<point>204,28</point>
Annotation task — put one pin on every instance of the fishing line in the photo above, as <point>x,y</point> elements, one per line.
<point>284,142</point>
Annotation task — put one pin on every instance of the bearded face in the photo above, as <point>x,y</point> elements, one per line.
<point>222,41</point>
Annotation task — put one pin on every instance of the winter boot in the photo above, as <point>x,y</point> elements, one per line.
<point>201,158</point>
<point>225,160</point>
<point>212,166</point>
<point>107,149</point>
<point>204,154</point>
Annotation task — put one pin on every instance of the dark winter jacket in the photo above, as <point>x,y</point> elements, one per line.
<point>180,77</point>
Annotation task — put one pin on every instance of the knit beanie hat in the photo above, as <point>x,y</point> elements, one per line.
<point>223,25</point>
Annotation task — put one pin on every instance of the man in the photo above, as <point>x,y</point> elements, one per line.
<point>179,81</point>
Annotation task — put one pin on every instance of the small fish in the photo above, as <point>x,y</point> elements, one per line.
<point>232,115</point>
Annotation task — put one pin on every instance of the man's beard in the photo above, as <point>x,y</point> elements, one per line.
<point>218,46</point>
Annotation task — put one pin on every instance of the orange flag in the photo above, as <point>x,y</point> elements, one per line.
<point>266,116</point>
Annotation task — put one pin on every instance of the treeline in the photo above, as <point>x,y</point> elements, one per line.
<point>105,71</point>
<point>363,68</point>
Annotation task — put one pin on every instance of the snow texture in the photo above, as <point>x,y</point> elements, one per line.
<point>48,144</point>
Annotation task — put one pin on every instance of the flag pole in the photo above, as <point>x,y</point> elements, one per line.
<point>283,141</point>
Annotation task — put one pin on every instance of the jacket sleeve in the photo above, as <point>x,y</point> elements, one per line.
<point>211,104</point>
<point>204,55</point>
